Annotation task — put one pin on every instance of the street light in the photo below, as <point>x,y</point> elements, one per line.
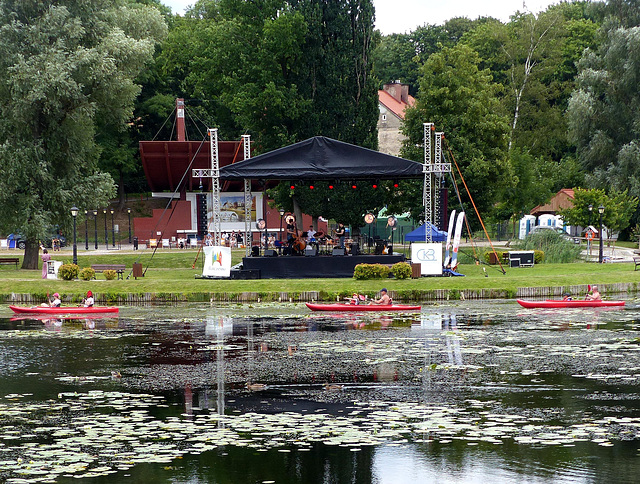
<point>74,214</point>
<point>113,234</point>
<point>95,226</point>
<point>281,210</point>
<point>86,230</point>
<point>129,214</point>
<point>106,234</point>
<point>601,211</point>
<point>589,230</point>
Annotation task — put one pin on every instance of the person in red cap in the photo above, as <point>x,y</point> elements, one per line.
<point>88,301</point>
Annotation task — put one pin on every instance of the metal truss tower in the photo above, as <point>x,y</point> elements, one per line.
<point>246,144</point>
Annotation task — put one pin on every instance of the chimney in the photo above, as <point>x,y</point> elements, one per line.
<point>398,91</point>
<point>180,131</point>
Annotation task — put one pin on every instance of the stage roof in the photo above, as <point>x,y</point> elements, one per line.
<point>322,158</point>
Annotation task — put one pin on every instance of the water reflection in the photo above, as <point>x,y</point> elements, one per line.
<point>476,392</point>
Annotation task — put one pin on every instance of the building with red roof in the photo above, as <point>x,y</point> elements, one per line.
<point>393,100</point>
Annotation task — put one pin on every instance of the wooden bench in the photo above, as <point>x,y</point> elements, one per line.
<point>636,261</point>
<point>9,260</point>
<point>119,268</point>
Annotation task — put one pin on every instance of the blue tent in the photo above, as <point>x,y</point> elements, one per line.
<point>418,235</point>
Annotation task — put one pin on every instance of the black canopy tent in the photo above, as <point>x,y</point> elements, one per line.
<point>321,158</point>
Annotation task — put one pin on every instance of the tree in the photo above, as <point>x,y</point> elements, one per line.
<point>462,102</point>
<point>603,112</point>
<point>65,68</point>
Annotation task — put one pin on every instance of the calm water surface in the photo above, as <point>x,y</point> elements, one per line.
<point>471,392</point>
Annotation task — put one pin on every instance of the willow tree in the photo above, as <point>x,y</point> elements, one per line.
<point>66,67</point>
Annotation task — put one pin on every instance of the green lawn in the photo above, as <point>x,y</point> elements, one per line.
<point>171,272</point>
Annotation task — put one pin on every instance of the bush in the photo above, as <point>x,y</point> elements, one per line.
<point>401,270</point>
<point>110,274</point>
<point>68,272</point>
<point>550,247</point>
<point>371,271</point>
<point>87,274</point>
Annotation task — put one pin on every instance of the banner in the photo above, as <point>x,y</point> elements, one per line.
<point>217,261</point>
<point>429,256</point>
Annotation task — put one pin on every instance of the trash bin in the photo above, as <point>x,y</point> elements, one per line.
<point>137,269</point>
<point>135,243</point>
<point>416,271</point>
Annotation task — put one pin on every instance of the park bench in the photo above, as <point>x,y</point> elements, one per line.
<point>119,268</point>
<point>9,260</point>
<point>636,261</point>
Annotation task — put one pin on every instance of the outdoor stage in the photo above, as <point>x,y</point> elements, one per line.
<point>298,267</point>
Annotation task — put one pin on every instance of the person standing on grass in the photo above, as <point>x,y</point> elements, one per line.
<point>46,257</point>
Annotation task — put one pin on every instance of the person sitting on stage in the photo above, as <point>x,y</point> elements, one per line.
<point>384,300</point>
<point>311,234</point>
<point>340,233</point>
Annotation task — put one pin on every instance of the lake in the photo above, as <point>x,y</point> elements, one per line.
<point>467,392</point>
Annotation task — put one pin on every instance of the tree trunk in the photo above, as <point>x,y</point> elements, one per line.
<point>31,255</point>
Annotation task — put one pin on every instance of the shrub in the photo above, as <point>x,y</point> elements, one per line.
<point>401,270</point>
<point>110,274</point>
<point>551,246</point>
<point>87,274</point>
<point>371,271</point>
<point>68,272</point>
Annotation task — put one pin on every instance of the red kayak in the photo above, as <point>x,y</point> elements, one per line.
<point>64,310</point>
<point>360,307</point>
<point>576,303</point>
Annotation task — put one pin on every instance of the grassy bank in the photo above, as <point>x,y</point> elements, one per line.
<point>169,275</point>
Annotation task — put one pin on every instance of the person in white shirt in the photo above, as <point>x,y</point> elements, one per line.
<point>88,301</point>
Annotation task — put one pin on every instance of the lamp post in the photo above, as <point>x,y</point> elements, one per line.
<point>129,214</point>
<point>588,230</point>
<point>281,210</point>
<point>86,230</point>
<point>106,234</point>
<point>74,214</point>
<point>113,233</point>
<point>601,211</point>
<point>95,226</point>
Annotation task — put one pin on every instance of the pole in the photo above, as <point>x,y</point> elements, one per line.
<point>601,210</point>
<point>280,234</point>
<point>86,230</point>
<point>113,234</point>
<point>95,226</point>
<point>129,214</point>
<point>74,213</point>
<point>106,234</point>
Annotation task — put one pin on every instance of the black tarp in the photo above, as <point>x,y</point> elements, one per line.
<point>321,158</point>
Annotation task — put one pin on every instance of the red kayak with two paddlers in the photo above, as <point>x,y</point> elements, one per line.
<point>572,303</point>
<point>361,307</point>
<point>64,310</point>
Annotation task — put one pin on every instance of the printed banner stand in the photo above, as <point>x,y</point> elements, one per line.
<point>217,261</point>
<point>429,256</point>
<point>52,268</point>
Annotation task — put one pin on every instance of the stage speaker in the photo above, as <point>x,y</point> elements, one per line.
<point>270,253</point>
<point>354,249</point>
<point>255,251</point>
<point>202,219</point>
<point>310,251</point>
<point>338,251</point>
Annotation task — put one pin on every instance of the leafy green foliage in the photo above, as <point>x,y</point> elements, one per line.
<point>68,272</point>
<point>556,249</point>
<point>110,274</point>
<point>401,270</point>
<point>66,69</point>
<point>87,274</point>
<point>371,271</point>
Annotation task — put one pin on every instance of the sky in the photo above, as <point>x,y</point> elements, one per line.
<point>402,16</point>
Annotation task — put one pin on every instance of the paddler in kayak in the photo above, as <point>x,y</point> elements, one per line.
<point>88,301</point>
<point>595,294</point>
<point>53,303</point>
<point>384,300</point>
